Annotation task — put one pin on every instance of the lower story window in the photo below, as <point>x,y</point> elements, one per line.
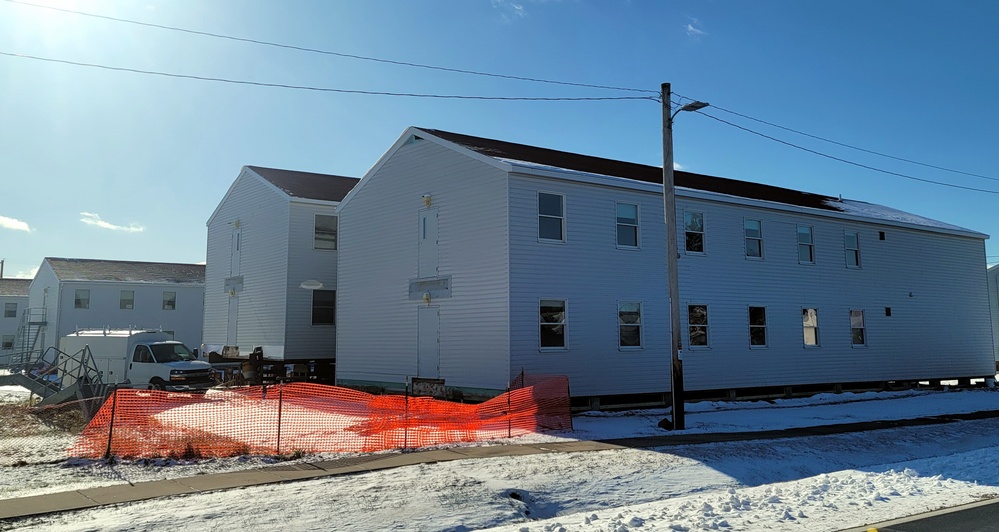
<point>758,326</point>
<point>697,322</point>
<point>857,329</point>
<point>629,322</point>
<point>324,307</point>
<point>552,322</point>
<point>810,325</point>
<point>7,342</point>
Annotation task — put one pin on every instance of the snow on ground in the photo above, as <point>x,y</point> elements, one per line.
<point>817,483</point>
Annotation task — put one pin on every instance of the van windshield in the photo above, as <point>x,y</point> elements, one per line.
<point>171,353</point>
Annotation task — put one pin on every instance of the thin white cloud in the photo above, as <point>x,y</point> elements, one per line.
<point>14,224</point>
<point>508,6</point>
<point>90,218</point>
<point>677,166</point>
<point>26,274</point>
<point>695,32</point>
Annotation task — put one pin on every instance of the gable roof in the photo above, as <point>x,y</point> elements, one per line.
<point>14,287</point>
<point>307,185</point>
<point>126,271</point>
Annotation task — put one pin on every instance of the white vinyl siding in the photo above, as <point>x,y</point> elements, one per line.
<point>301,338</point>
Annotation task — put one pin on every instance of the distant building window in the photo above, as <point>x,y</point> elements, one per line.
<point>7,342</point>
<point>629,321</point>
<point>697,325</point>
<point>810,326</point>
<point>324,307</point>
<point>693,228</point>
<point>552,321</point>
<point>851,241</point>
<point>806,245</point>
<point>10,310</point>
<point>754,238</point>
<point>758,326</point>
<point>551,217</point>
<point>169,300</point>
<point>627,225</point>
<point>888,311</point>
<point>881,235</point>
<point>126,300</point>
<point>326,226</point>
<point>858,331</point>
<point>81,299</point>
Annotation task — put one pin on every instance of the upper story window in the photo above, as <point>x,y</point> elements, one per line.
<point>693,228</point>
<point>627,225</point>
<point>697,322</point>
<point>858,331</point>
<point>551,217</point>
<point>324,307</point>
<point>810,326</point>
<point>629,322</point>
<point>552,321</point>
<point>126,300</point>
<point>758,326</point>
<point>81,299</point>
<point>10,310</point>
<point>806,245</point>
<point>325,236</point>
<point>753,230</point>
<point>851,241</point>
<point>169,300</point>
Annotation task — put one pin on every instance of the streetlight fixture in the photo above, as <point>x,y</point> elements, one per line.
<point>672,254</point>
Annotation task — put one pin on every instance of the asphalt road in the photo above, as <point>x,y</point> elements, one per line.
<point>977,517</point>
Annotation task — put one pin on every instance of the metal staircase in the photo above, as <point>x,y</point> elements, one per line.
<point>25,346</point>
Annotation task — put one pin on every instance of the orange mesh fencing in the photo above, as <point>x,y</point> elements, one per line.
<point>311,418</point>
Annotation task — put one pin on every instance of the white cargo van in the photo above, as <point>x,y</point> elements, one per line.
<point>140,358</point>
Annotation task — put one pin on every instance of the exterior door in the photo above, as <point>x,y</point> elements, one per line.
<point>230,335</point>
<point>429,255</point>
<point>429,343</point>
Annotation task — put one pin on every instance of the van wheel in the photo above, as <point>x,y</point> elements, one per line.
<point>157,384</point>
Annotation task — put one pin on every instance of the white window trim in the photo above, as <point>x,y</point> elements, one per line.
<point>846,249</point>
<point>707,326</point>
<point>863,316</point>
<point>637,226</point>
<point>5,305</point>
<point>565,234</point>
<point>766,326</point>
<point>818,329</point>
<point>87,290</point>
<point>703,231</point>
<point>641,326</point>
<point>565,325</point>
<point>3,339</point>
<point>164,302</point>
<point>798,244</point>
<point>336,232</point>
<point>745,238</point>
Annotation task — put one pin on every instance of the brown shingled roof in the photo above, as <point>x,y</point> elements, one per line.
<point>638,172</point>
<point>307,184</point>
<point>14,287</point>
<point>126,271</point>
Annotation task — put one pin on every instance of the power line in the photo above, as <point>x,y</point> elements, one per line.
<point>328,89</point>
<point>337,54</point>
<point>840,159</point>
<point>852,147</point>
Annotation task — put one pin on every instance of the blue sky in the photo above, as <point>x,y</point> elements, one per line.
<point>117,165</point>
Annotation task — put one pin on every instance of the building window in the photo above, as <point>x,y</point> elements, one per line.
<point>852,242</point>
<point>754,238</point>
<point>324,307</point>
<point>881,235</point>
<point>697,325</point>
<point>325,232</point>
<point>627,225</point>
<point>810,326</point>
<point>126,300</point>
<point>758,326</point>
<point>7,342</point>
<point>888,311</point>
<point>693,228</point>
<point>552,321</point>
<point>806,245</point>
<point>551,217</point>
<point>629,321</point>
<point>857,330</point>
<point>10,310</point>
<point>169,300</point>
<point>81,299</point>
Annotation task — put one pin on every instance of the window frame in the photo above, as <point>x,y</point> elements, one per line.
<point>746,238</point>
<point>5,344</point>
<point>122,300</point>
<point>564,323</point>
<point>316,232</point>
<point>314,308</point>
<point>169,300</point>
<point>815,328</point>
<point>706,326</point>
<point>702,232</point>
<point>810,244</point>
<point>621,324</point>
<point>862,329</point>
<point>7,313</point>
<point>764,326</point>
<point>855,251</point>
<point>561,217</point>
<point>637,226</point>
<point>80,302</point>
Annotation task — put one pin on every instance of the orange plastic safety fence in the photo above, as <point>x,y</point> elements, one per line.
<point>311,418</point>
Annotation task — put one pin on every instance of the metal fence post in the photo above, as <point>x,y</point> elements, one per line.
<point>114,406</point>
<point>405,425</point>
<point>509,415</point>
<point>280,404</point>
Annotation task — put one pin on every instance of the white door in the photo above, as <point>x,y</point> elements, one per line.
<point>428,326</point>
<point>429,255</point>
<point>230,335</point>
